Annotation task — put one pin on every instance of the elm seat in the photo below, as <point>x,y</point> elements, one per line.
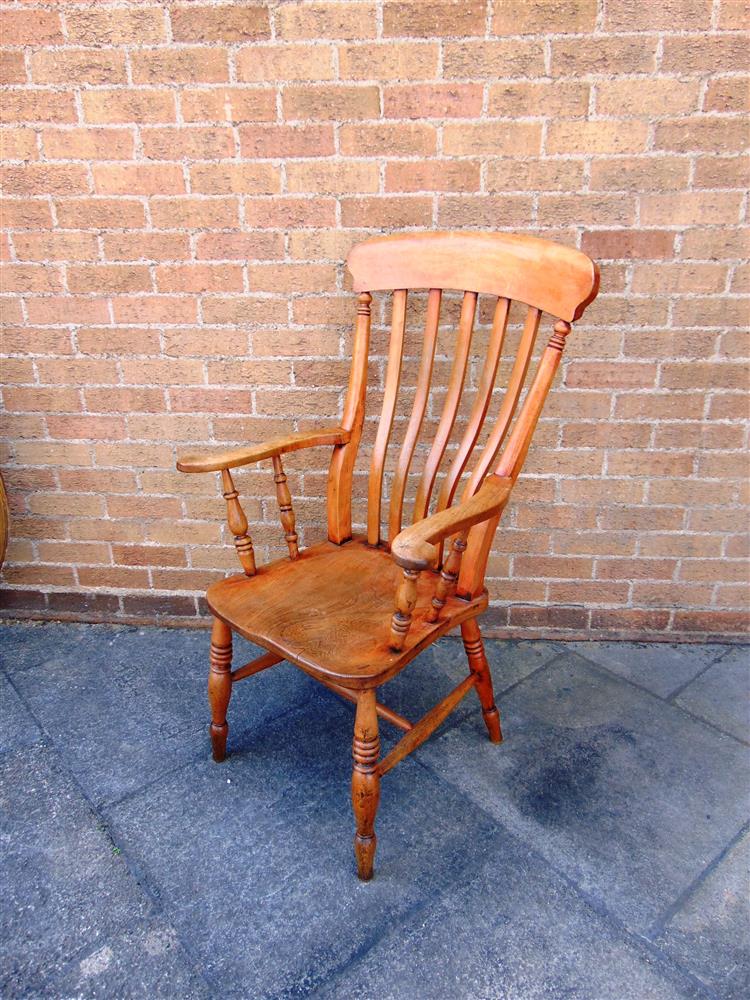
<point>284,609</point>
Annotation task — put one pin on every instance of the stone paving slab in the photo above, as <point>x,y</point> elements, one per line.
<point>631,797</point>
<point>660,667</point>
<point>17,726</point>
<point>64,886</point>
<point>263,887</point>
<point>125,705</point>
<point>721,695</point>
<point>710,932</point>
<point>144,960</point>
<point>512,929</point>
<point>597,853</point>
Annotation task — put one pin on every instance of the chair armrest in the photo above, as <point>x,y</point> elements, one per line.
<point>414,547</point>
<point>216,461</point>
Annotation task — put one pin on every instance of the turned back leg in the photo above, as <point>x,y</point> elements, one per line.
<point>365,782</point>
<point>219,687</point>
<point>480,668</point>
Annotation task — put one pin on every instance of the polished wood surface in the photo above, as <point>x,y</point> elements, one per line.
<point>235,457</point>
<point>390,397</point>
<point>354,610</point>
<point>556,279</point>
<point>329,612</point>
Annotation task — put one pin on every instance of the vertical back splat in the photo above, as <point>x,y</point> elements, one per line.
<point>344,455</point>
<point>417,412</point>
<point>509,403</point>
<point>450,409</point>
<point>481,404</point>
<point>392,381</point>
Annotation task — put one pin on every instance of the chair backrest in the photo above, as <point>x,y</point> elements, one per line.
<point>542,275</point>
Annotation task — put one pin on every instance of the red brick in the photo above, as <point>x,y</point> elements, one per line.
<point>88,143</point>
<point>493,139</point>
<point>388,140</point>
<point>434,17</point>
<point>126,106</point>
<point>163,178</point>
<point>12,67</point>
<point>479,59</point>
<point>272,63</point>
<point>30,27</point>
<point>326,20</point>
<point>116,26</point>
<point>146,246</point>
<point>56,246</point>
<point>334,102</point>
<point>438,100</point>
<point>283,141</point>
<point>554,16</point>
<point>288,213</point>
<point>37,106</point>
<point>100,213</point>
<point>182,142</point>
<point>628,244</point>
<point>239,246</point>
<point>18,144</point>
<point>387,61</point>
<point>229,105</point>
<point>199,278</point>
<point>611,55</point>
<point>67,309</point>
<point>199,23</point>
<point>432,176</point>
<point>190,212</point>
<point>182,65</point>
<point>689,15</point>
<point>234,178</point>
<point>68,66</point>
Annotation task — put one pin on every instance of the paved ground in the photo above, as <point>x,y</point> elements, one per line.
<point>600,852</point>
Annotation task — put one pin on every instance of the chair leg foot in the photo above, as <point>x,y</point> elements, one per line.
<point>480,668</point>
<point>219,687</point>
<point>218,736</point>
<point>365,783</point>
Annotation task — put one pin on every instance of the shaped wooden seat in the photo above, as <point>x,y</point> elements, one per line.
<point>353,611</point>
<point>305,610</point>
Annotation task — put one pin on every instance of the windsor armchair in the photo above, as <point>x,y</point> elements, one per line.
<point>354,610</point>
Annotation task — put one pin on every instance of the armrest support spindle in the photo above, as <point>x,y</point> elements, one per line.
<point>406,599</point>
<point>286,510</point>
<point>448,577</point>
<point>238,524</point>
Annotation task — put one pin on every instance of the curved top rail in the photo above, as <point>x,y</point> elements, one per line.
<point>551,277</point>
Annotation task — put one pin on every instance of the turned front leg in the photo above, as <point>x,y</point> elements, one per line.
<point>406,599</point>
<point>219,687</point>
<point>365,782</point>
<point>238,524</point>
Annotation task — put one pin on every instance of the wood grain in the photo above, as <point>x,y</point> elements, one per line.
<point>554,278</point>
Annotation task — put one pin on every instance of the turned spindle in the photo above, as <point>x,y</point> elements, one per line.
<point>238,524</point>
<point>286,510</point>
<point>406,599</point>
<point>557,340</point>
<point>448,577</point>
<point>365,781</point>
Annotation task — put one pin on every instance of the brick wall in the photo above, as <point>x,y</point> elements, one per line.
<point>182,182</point>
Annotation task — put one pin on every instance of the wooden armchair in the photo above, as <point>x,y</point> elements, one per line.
<point>329,609</point>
